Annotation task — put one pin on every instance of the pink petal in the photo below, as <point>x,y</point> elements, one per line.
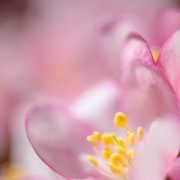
<point>59,139</point>
<point>99,104</point>
<point>174,171</point>
<point>158,150</point>
<point>114,33</point>
<point>169,61</point>
<point>166,23</point>
<point>136,48</point>
<point>147,95</point>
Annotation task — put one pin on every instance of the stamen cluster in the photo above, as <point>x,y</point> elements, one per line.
<point>117,153</point>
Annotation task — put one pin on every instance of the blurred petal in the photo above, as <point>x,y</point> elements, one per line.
<point>169,60</point>
<point>166,23</point>
<point>158,151</point>
<point>58,138</point>
<point>114,34</point>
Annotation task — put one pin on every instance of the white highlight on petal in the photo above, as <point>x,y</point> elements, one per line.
<point>98,105</point>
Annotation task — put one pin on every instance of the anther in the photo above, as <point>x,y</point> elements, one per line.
<point>121,142</point>
<point>131,139</point>
<point>106,139</point>
<point>96,135</point>
<point>116,158</point>
<point>93,141</point>
<point>120,120</point>
<point>115,169</point>
<point>120,149</point>
<point>140,133</point>
<point>92,160</point>
<point>106,153</point>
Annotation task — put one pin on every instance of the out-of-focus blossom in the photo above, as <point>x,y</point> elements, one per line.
<point>165,24</point>
<point>148,94</point>
<point>155,27</point>
<point>64,41</point>
<point>62,55</point>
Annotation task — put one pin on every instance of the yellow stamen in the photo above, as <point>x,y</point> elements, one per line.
<point>120,149</point>
<point>118,153</point>
<point>93,141</point>
<point>131,139</point>
<point>92,160</point>
<point>140,133</point>
<point>106,139</point>
<point>115,169</point>
<point>120,120</point>
<point>106,153</point>
<point>96,135</point>
<point>116,158</point>
<point>121,142</point>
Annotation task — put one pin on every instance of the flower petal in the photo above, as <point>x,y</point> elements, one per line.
<point>59,139</point>
<point>114,34</point>
<point>99,105</point>
<point>174,171</point>
<point>167,22</point>
<point>136,48</point>
<point>147,94</point>
<point>169,61</point>
<point>158,150</point>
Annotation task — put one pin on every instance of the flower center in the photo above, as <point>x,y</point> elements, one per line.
<point>115,154</point>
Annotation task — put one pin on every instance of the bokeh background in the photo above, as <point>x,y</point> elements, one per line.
<point>54,50</point>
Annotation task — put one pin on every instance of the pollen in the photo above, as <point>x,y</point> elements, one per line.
<point>92,160</point>
<point>120,150</point>
<point>120,120</point>
<point>116,158</point>
<point>131,139</point>
<point>106,139</point>
<point>140,133</point>
<point>115,169</point>
<point>106,152</point>
<point>93,141</point>
<point>116,152</point>
<point>96,135</point>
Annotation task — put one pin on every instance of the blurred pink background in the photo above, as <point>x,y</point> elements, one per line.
<point>55,50</point>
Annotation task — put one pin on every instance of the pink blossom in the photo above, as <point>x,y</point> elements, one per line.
<point>148,94</point>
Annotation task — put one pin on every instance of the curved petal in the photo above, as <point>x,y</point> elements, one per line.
<point>114,34</point>
<point>59,139</point>
<point>158,151</point>
<point>147,94</point>
<point>99,105</point>
<point>135,48</point>
<point>169,61</point>
<point>174,171</point>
